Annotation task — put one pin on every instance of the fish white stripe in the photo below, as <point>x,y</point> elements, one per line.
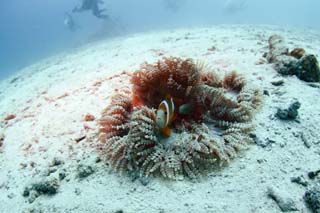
<point>172,104</point>
<point>167,109</point>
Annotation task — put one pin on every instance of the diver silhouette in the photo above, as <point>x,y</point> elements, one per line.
<point>92,5</point>
<point>70,23</point>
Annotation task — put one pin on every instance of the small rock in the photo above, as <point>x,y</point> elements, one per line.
<point>261,161</point>
<point>260,61</point>
<point>312,198</point>
<point>282,144</point>
<point>23,165</point>
<point>285,203</point>
<point>265,55</point>
<point>48,187</point>
<point>11,195</point>
<point>313,174</point>
<point>297,53</point>
<point>14,80</point>
<point>26,192</point>
<point>89,117</point>
<point>314,85</point>
<point>78,139</point>
<point>50,171</point>
<point>308,69</point>
<point>213,48</point>
<point>10,117</point>
<point>306,142</point>
<point>144,180</point>
<point>84,171</point>
<point>77,191</point>
<point>56,161</point>
<point>277,48</point>
<point>262,143</point>
<point>98,159</point>
<point>277,83</point>
<point>299,180</point>
<point>269,141</point>
<point>62,174</point>
<point>282,114</point>
<point>33,196</point>
<point>266,92</point>
<point>1,140</point>
<point>289,114</point>
<point>2,137</point>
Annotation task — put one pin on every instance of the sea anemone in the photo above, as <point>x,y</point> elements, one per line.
<point>209,135</point>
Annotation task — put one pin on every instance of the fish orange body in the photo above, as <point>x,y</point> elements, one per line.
<point>165,115</point>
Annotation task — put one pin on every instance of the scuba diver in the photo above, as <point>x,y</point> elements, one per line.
<point>173,5</point>
<point>70,23</point>
<point>234,6</point>
<point>92,5</point>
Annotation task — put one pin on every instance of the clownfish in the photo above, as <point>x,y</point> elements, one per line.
<point>165,115</point>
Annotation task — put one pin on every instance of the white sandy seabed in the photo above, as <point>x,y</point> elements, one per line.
<point>51,98</point>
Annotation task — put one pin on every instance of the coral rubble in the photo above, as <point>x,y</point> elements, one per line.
<point>211,134</point>
<point>285,203</point>
<point>289,114</point>
<point>296,62</point>
<point>312,198</point>
<point>44,187</point>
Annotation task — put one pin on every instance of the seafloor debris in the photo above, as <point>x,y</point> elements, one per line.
<point>267,142</point>
<point>1,139</point>
<point>297,62</point>
<point>56,161</point>
<point>312,198</point>
<point>285,203</point>
<point>89,117</point>
<point>277,83</point>
<point>313,174</point>
<point>299,180</point>
<point>10,117</point>
<point>80,138</point>
<point>297,53</point>
<point>84,171</point>
<point>289,114</point>
<point>202,121</point>
<point>48,187</point>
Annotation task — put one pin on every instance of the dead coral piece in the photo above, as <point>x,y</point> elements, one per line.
<point>285,203</point>
<point>2,137</point>
<point>217,129</point>
<point>297,53</point>
<point>313,174</point>
<point>312,198</point>
<point>10,117</point>
<point>289,114</point>
<point>48,187</point>
<point>80,138</point>
<point>89,117</point>
<point>84,171</point>
<point>297,62</point>
<point>277,48</point>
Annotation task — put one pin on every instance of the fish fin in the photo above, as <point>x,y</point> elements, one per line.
<point>166,132</point>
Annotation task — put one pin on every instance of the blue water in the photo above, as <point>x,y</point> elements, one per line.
<point>31,30</point>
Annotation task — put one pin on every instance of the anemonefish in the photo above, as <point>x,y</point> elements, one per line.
<point>165,115</point>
